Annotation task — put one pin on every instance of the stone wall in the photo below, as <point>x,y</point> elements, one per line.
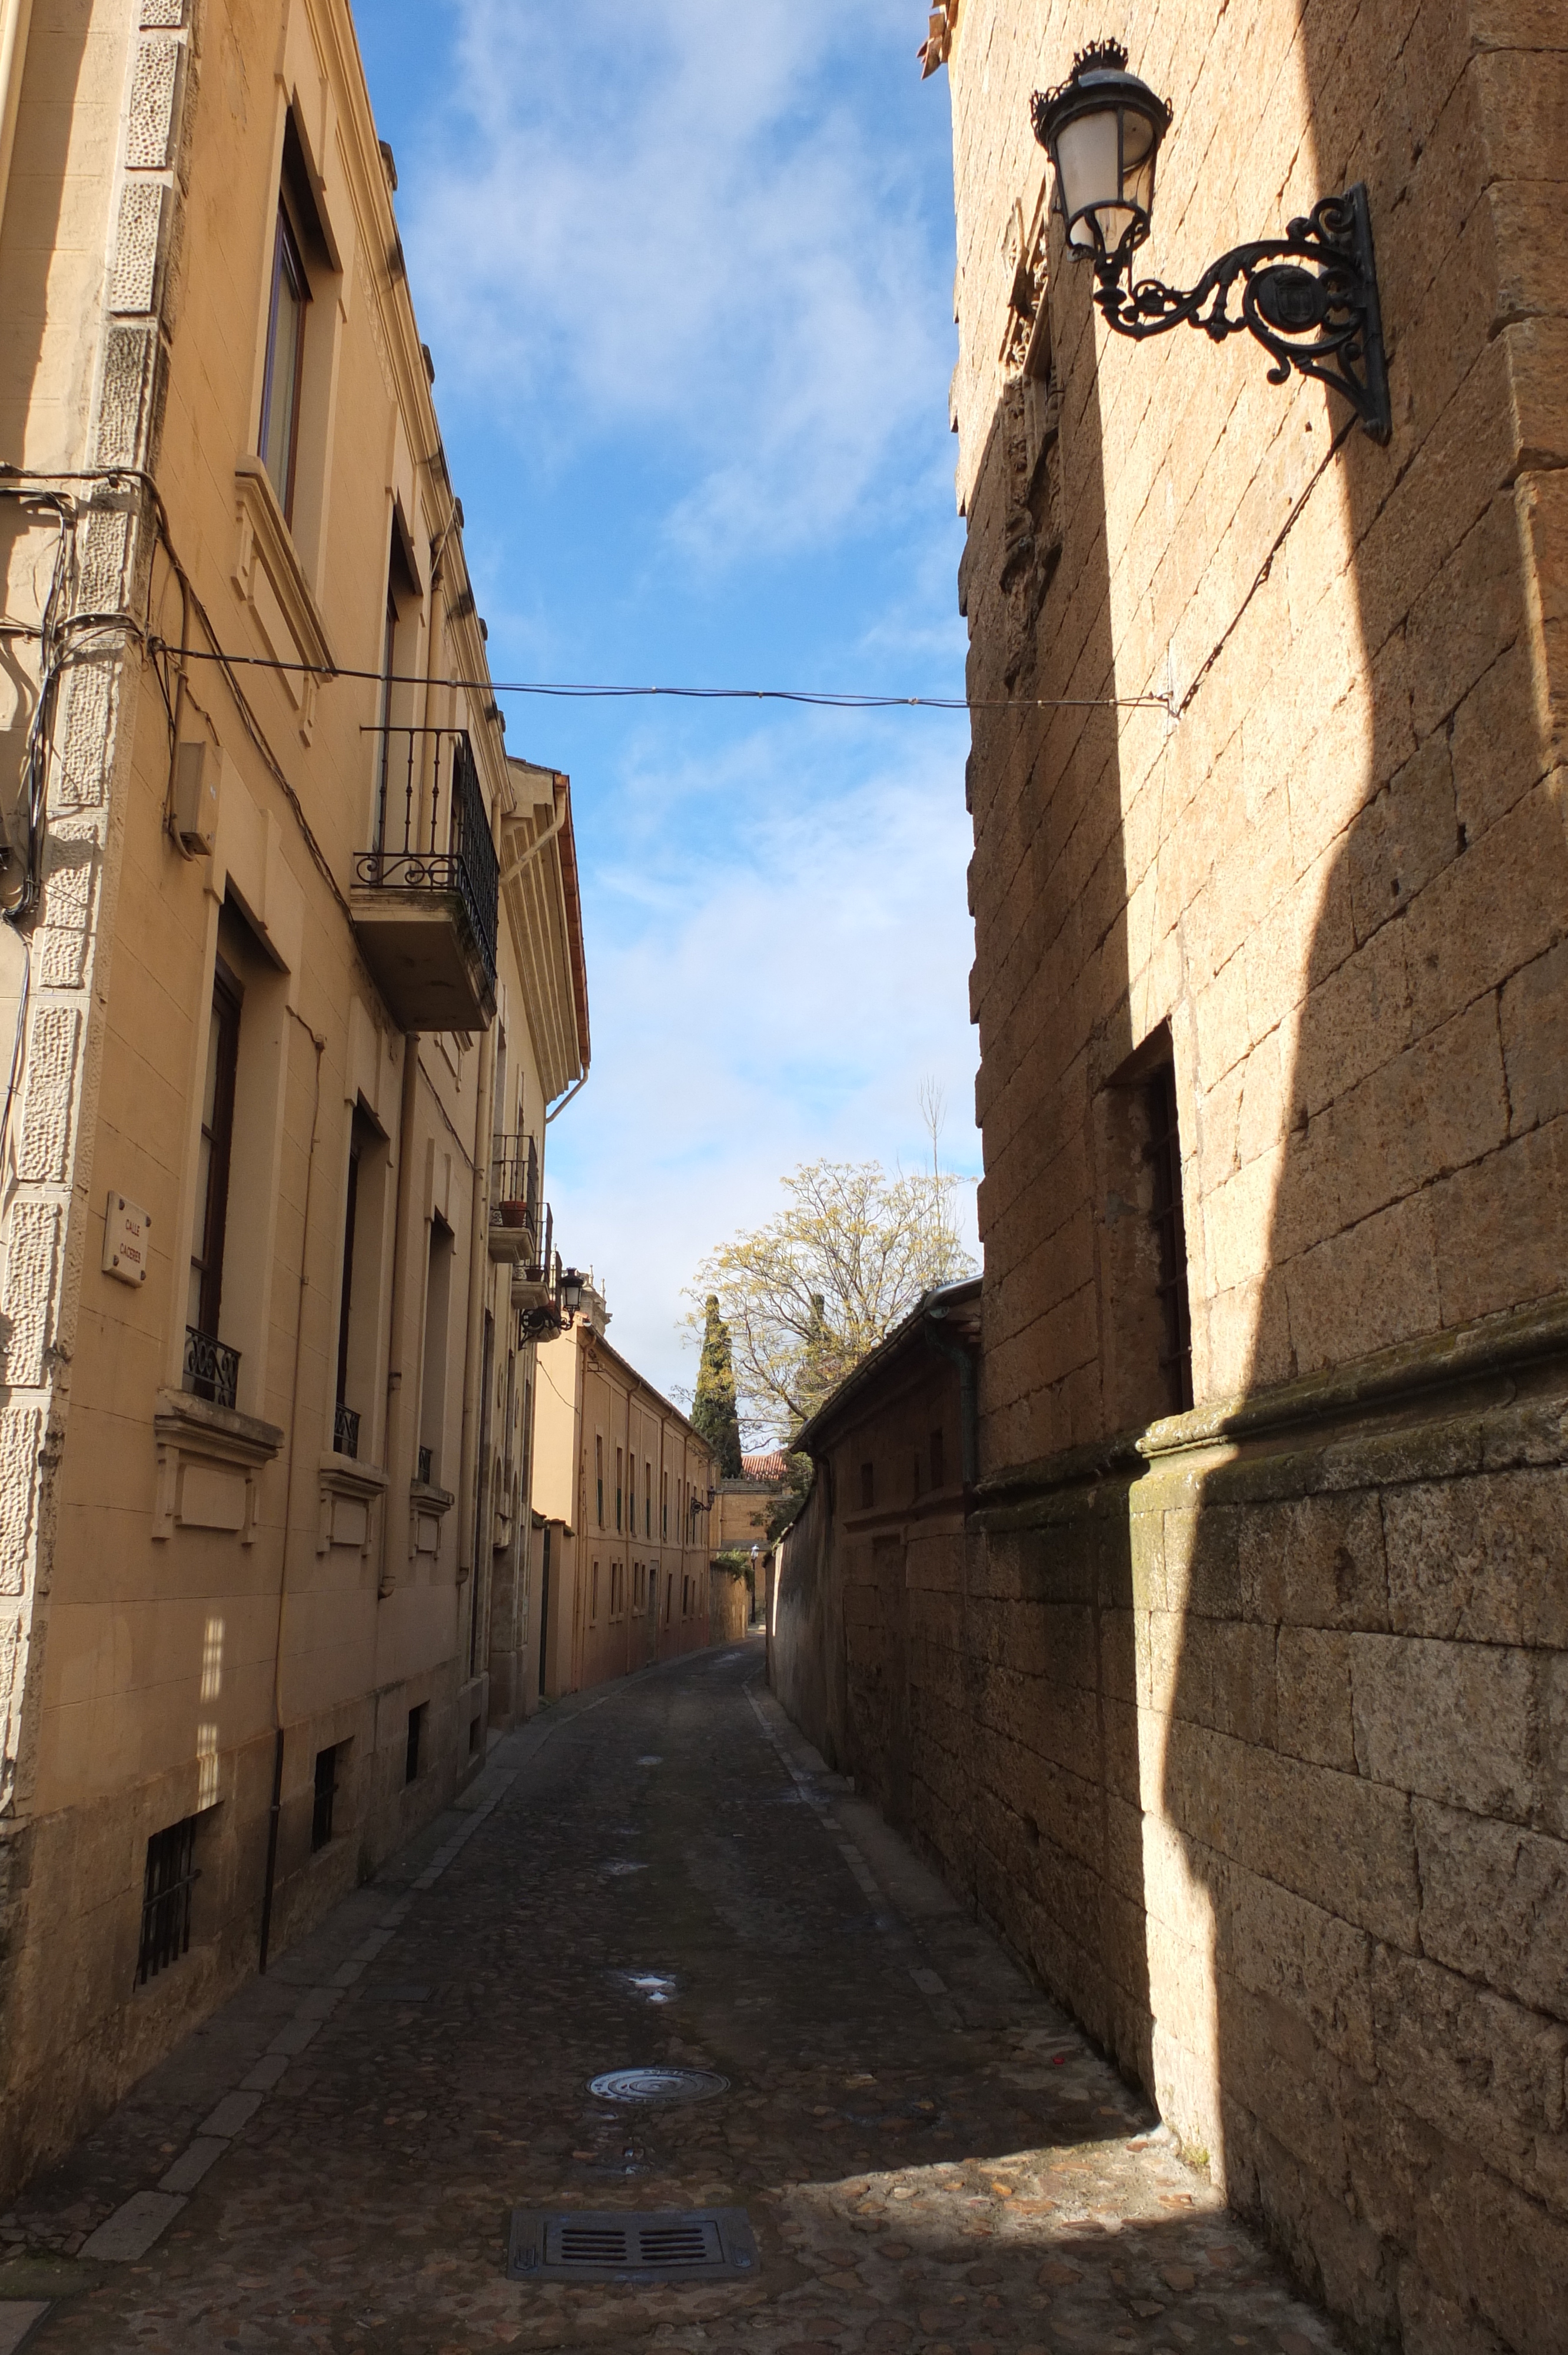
<point>1249,1723</point>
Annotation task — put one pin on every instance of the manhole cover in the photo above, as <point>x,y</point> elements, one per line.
<point>659,2086</point>
<point>672,2244</point>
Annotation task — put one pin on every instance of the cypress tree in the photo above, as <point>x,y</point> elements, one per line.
<point>713,1410</point>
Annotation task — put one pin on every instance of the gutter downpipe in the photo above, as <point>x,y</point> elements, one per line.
<point>474,1355</point>
<point>275,1812</point>
<point>968,1392</point>
<point>394,1438</point>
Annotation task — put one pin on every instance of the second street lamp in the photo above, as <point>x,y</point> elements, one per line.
<point>1309,297</point>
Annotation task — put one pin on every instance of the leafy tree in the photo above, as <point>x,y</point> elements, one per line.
<point>714,1409</point>
<point>807,1295</point>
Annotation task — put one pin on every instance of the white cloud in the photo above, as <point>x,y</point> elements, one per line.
<point>767,1004</point>
<point>674,219</point>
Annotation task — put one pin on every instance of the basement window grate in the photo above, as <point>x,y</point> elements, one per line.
<point>673,2245</point>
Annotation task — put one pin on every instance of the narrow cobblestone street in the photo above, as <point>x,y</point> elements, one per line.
<point>662,1874</point>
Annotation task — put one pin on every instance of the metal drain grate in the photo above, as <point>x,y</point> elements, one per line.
<point>659,2086</point>
<point>673,2245</point>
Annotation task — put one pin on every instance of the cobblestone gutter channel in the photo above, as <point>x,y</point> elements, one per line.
<point>664,1876</point>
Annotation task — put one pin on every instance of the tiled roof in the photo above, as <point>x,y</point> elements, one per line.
<point>764,1468</point>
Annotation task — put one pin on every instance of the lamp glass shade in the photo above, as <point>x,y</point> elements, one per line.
<point>571,1291</point>
<point>1102,130</point>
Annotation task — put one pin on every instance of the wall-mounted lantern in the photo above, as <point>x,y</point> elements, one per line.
<point>1101,129</point>
<point>572,1282</point>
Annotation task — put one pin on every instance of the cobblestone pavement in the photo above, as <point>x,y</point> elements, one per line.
<point>659,1874</point>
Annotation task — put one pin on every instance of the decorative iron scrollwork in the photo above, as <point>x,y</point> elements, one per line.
<point>1334,303</point>
<point>211,1368</point>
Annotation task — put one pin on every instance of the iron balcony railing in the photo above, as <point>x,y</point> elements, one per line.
<point>427,1467</point>
<point>212,1367</point>
<point>346,1430</point>
<point>438,840</point>
<point>514,1188</point>
<point>538,1265</point>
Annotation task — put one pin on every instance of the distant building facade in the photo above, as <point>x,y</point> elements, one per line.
<point>623,1492</point>
<point>1237,1699</point>
<point>294,963</point>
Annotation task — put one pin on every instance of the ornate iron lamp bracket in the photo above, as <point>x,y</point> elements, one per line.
<point>1323,321</point>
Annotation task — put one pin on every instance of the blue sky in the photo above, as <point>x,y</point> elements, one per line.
<point>687,274</point>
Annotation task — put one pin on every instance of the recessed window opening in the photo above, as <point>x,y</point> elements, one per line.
<point>207,1370</point>
<point>438,1313</point>
<point>598,1476</point>
<point>663,1504</point>
<point>1171,1231</point>
<point>593,1598</point>
<point>938,1460</point>
<point>413,1759</point>
<point>473,1730</point>
<point>328,1776</point>
<point>867,1487</point>
<point>283,382</point>
<point>647,1500</point>
<point>169,1882</point>
<point>619,1481</point>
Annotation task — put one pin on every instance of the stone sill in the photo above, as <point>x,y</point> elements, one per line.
<point>197,1423</point>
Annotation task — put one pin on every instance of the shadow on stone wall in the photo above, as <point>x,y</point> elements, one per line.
<point>1352,1775</point>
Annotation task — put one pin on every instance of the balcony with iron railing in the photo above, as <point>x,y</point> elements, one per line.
<point>425,896</point>
<point>514,1200</point>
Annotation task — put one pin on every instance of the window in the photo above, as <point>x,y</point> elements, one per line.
<point>413,1757</point>
<point>473,1731</point>
<point>345,1423</point>
<point>438,1312</point>
<point>593,1598</point>
<point>284,379</point>
<point>647,1500</point>
<point>938,1460</point>
<point>598,1476</point>
<point>170,1877</point>
<point>617,1590</point>
<point>1171,1232</point>
<point>205,1370</point>
<point>664,1504</point>
<point>327,1764</point>
<point>867,1487</point>
<point>1141,1253</point>
<point>619,1471</point>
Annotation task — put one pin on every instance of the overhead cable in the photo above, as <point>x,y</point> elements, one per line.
<point>586,691</point>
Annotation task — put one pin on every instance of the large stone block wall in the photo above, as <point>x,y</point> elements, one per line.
<point>1248,1727</point>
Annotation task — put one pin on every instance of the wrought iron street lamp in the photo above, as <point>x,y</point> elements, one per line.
<point>571,1291</point>
<point>1309,297</point>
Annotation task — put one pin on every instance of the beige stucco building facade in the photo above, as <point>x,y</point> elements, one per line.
<point>623,1490</point>
<point>296,974</point>
<point>1238,1700</point>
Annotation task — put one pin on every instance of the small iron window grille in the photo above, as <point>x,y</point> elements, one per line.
<point>170,1876</point>
<point>212,1367</point>
<point>427,1467</point>
<point>346,1430</point>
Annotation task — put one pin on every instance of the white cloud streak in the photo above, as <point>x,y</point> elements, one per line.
<point>770,1007</point>
<point>671,219</point>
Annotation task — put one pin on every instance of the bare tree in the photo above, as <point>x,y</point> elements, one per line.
<point>807,1296</point>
